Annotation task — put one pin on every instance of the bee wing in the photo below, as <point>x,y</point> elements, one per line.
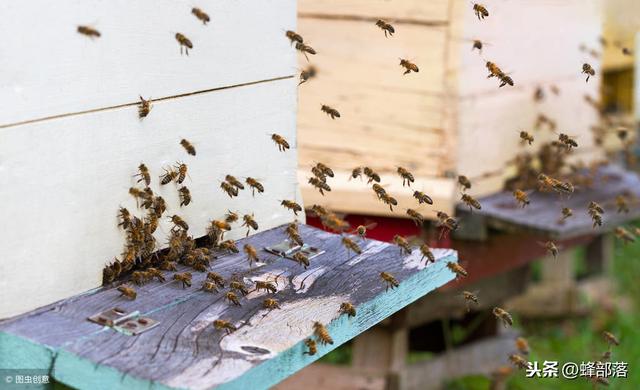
<point>369,224</point>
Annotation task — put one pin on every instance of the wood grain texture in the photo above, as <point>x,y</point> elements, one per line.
<point>50,69</point>
<point>185,351</point>
<point>63,181</point>
<point>541,216</point>
<point>417,10</point>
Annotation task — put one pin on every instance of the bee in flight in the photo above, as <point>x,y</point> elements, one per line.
<point>320,185</point>
<point>201,15</point>
<point>280,141</point>
<point>89,31</point>
<point>294,37</point>
<point>503,315</point>
<point>406,176</point>
<point>457,269</point>
<point>470,297</point>
<point>386,27</point>
<point>351,245</point>
<point>371,175</point>
<point>526,137</point>
<point>588,70</point>
<point>471,202</point>
<point>322,333</point>
<point>305,49</point>
<point>519,361</point>
<point>409,66</point>
<point>480,11</point>
<point>307,74</point>
<point>521,197</point>
<point>464,182</point>
<point>332,112</point>
<point>389,280</point>
<point>426,252</point>
<point>184,42</point>
<point>312,347</point>
<point>188,147</point>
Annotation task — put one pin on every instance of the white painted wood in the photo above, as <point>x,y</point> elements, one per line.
<point>62,181</point>
<point>418,10</point>
<point>49,69</point>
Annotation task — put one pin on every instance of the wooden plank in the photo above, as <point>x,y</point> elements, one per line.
<point>403,11</point>
<point>543,213</point>
<point>320,376</point>
<point>66,178</point>
<point>185,351</point>
<point>355,196</point>
<point>137,53</point>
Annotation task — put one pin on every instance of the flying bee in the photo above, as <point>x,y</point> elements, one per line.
<point>234,182</point>
<point>416,217</point>
<point>125,218</point>
<point>229,246</point>
<point>322,333</point>
<point>521,197</point>
<point>389,280</point>
<point>389,200</point>
<point>185,196</point>
<point>227,326</point>
<point>182,172</point>
<point>232,298</point>
<point>567,141</point>
<point>494,70</point>
<point>325,169</point>
<point>179,222</point>
<point>351,245</point>
<point>522,345</point>
<point>282,143</point>
<point>250,223</point>
<point>294,236</point>
<point>229,189</point>
<point>480,11</point>
<point>624,235</point>
<point>471,202</point>
<point>266,286</point>
<point>594,207</point>
<point>319,184</point>
<point>477,44</point>
<point>348,309</point>
<point>464,182</point>
<point>252,253</point>
<point>426,252</point>
<point>409,66</point>
<point>386,27</point>
<point>184,42</point>
<point>406,176</point>
<point>317,172</point>
<point>505,80</point>
<point>304,49</point>
<point>188,147</point>
<point>319,210</point>
<point>291,205</point>
<point>168,266</point>
<point>621,204</point>
<point>294,37</point>
<point>89,31</point>
<point>626,51</point>
<point>270,303</point>
<point>457,269</point>
<point>588,70</point>
<point>332,112</point>
<point>526,137</point>
<point>552,249</point>
<point>566,213</point>
<point>201,15</point>
<point>356,173</point>
<point>422,197</point>
<point>470,297</point>
<point>445,220</point>
<point>128,292</point>
<point>230,217</point>
<point>519,361</point>
<point>313,348</point>
<point>503,316</point>
<point>610,338</point>
<point>210,287</point>
<point>597,220</point>
<point>301,259</point>
<point>184,278</point>
<point>379,190</point>
<point>361,230</point>
<point>255,185</point>
<point>145,107</point>
<point>168,176</point>
<point>307,74</point>
<point>143,173</point>
<point>371,175</point>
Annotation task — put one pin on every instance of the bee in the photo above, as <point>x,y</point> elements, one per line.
<point>503,316</point>
<point>282,143</point>
<point>229,189</point>
<point>552,248</point>
<point>319,174</point>
<point>230,217</point>
<point>250,223</point>
<point>445,220</point>
<point>406,176</point>
<point>409,66</point>
<point>226,325</point>
<point>371,175</point>
<point>322,333</point>
<point>477,44</point>
<point>270,303</point>
<point>313,348</point>
<point>184,277</point>
<point>351,245</point>
<point>182,172</point>
<point>348,309</point>
<point>426,252</point>
<point>179,222</point>
<point>621,204</point>
<point>168,176</point>
<point>201,15</point>
<point>255,185</point>
<point>267,286</point>
<point>210,287</point>
<point>229,246</point>
<point>389,280</point>
<point>188,147</point>
<point>519,361</point>
<point>89,31</point>
<point>125,218</point>
<point>361,230</point>
<point>184,42</point>
<point>422,197</point>
<point>294,235</point>
<point>335,223</point>
<point>626,51</point>
<point>526,137</point>
<point>306,74</point>
<point>494,70</point>
<point>140,277</point>
<point>128,292</point>
<point>200,267</point>
<point>319,210</point>
<point>470,297</point>
<point>597,220</point>
<point>168,266</point>
<point>302,259</point>
<point>566,213</point>
<point>521,197</point>
<point>319,184</point>
<point>155,273</point>
<point>416,217</point>
<point>390,200</point>
<point>356,173</point>
<point>522,345</point>
<point>185,196</point>
<point>143,173</point>
<point>386,27</point>
<point>464,182</point>
<point>457,269</point>
<point>291,205</point>
<point>505,80</point>
<point>588,70</point>
<point>145,107</point>
<point>252,253</point>
<point>325,169</point>
<point>379,190</point>
<point>216,278</point>
<point>624,235</point>
<point>233,298</point>
<point>471,202</point>
<point>294,37</point>
<point>159,206</point>
<point>234,182</point>
<point>480,11</point>
<point>567,141</point>
<point>304,49</point>
<point>594,207</point>
<point>332,112</point>
<point>610,338</point>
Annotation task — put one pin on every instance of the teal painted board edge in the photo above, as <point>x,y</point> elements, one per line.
<point>343,329</point>
<point>17,352</point>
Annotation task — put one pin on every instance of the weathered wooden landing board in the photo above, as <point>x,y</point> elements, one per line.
<point>544,211</point>
<point>185,351</point>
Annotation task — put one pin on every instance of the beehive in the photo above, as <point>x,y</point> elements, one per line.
<point>449,118</point>
<point>72,139</point>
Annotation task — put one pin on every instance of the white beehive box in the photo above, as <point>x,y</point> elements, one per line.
<point>71,138</point>
<point>449,118</point>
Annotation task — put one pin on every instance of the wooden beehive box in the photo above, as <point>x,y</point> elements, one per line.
<point>71,139</point>
<point>449,118</point>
